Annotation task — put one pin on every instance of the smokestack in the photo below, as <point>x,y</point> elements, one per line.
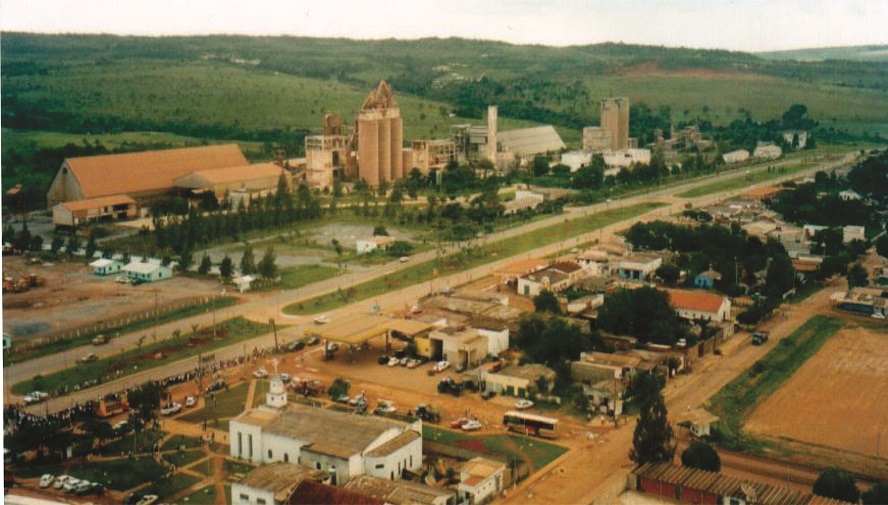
<point>491,133</point>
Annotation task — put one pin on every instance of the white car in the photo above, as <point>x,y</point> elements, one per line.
<point>170,409</point>
<point>35,397</point>
<point>322,319</point>
<point>148,499</point>
<point>386,407</point>
<point>190,401</point>
<point>393,361</point>
<point>60,481</point>
<point>46,480</point>
<point>523,404</point>
<point>442,365</point>
<point>404,259</point>
<point>878,315</point>
<point>70,484</point>
<point>472,426</point>
<point>260,373</point>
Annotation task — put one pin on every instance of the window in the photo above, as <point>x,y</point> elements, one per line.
<point>260,501</point>
<point>318,465</point>
<point>380,465</point>
<point>244,497</point>
<point>286,458</point>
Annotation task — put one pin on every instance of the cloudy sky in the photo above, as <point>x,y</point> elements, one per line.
<point>747,25</point>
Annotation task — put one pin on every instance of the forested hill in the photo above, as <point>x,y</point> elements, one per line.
<point>877,53</point>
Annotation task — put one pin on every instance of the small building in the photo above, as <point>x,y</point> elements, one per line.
<point>798,139</point>
<point>479,479</point>
<point>400,492</point>
<point>638,267</point>
<point>594,367</point>
<point>694,305</point>
<point>576,159</point>
<point>736,156</point>
<point>556,277</point>
<point>510,273</point>
<point>768,151</point>
<point>867,300</point>
<point>849,194</point>
<point>273,484</point>
<point>519,381</point>
<point>368,245</point>
<point>465,348</point>
<point>243,283</point>
<point>850,233</point>
<point>105,266</point>
<point>147,272</point>
<point>104,208</point>
<point>606,396</point>
<point>627,157</point>
<point>698,421</point>
<point>707,279</point>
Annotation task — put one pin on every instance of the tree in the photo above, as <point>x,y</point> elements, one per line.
<point>546,301</point>
<point>857,276</point>
<point>780,277</point>
<point>646,387</point>
<point>338,388</point>
<point>267,266</point>
<point>668,273</point>
<point>337,246</point>
<point>652,438</point>
<point>876,495</point>
<point>205,265</point>
<point>57,242</point>
<point>226,268</point>
<point>91,246</point>
<point>540,165</point>
<point>643,313</point>
<point>702,456</point>
<point>248,262</point>
<point>380,230</point>
<point>836,483</point>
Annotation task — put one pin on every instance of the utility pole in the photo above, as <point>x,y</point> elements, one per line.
<point>274,329</point>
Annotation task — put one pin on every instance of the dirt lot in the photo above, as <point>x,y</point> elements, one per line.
<point>73,296</point>
<point>838,393</point>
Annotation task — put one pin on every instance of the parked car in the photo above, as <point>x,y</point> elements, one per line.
<point>394,361</point>
<point>296,345</point>
<point>101,339</point>
<point>322,319</point>
<point>83,488</point>
<point>404,259</point>
<point>523,404</point>
<point>46,480</point>
<point>459,423</point>
<point>413,363</point>
<point>488,394</point>
<point>60,481</point>
<point>472,426</point>
<point>71,484</point>
<point>122,279</point>
<point>170,408</point>
<point>383,360</point>
<point>343,398</point>
<point>878,315</point>
<point>260,373</point>
<point>190,401</point>
<point>386,407</point>
<point>35,397</point>
<point>313,340</point>
<point>441,366</point>
<point>358,400</point>
<point>333,347</point>
<point>148,499</point>
<point>89,357</point>
<point>217,385</point>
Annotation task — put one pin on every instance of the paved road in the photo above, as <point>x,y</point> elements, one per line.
<point>264,305</point>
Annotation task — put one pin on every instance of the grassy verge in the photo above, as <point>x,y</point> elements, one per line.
<point>303,275</point>
<point>143,358</point>
<point>223,405</point>
<point>176,440</point>
<point>185,458</point>
<point>60,345</point>
<point>747,180</point>
<point>428,270</point>
<point>203,495</point>
<point>144,443</point>
<point>510,447</point>
<point>168,486</point>
<point>734,402</point>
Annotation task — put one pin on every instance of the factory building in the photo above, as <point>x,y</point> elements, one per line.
<point>615,119</point>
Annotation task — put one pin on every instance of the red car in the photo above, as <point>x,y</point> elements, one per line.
<point>459,423</point>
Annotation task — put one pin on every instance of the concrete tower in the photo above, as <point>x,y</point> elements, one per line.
<point>491,133</point>
<point>615,119</point>
<point>277,393</point>
<point>380,137</point>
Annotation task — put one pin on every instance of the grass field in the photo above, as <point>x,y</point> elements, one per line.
<point>423,272</point>
<point>745,181</point>
<point>734,402</point>
<point>227,404</point>
<point>511,447</point>
<point>25,354</point>
<point>144,358</point>
<point>303,275</point>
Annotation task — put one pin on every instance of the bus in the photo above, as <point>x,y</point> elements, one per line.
<point>530,424</point>
<point>112,404</point>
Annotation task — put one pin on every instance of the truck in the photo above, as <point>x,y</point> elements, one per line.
<point>760,337</point>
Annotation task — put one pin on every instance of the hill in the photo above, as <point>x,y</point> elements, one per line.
<point>878,53</point>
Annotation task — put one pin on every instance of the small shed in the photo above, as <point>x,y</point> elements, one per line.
<point>698,421</point>
<point>518,380</point>
<point>480,479</point>
<point>105,266</point>
<point>707,279</point>
<point>243,282</point>
<point>148,272</point>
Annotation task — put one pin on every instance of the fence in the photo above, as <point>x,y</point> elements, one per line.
<point>114,324</point>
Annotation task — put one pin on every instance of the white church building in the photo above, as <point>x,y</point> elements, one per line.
<point>345,445</point>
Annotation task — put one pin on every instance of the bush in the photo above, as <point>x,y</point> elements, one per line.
<point>837,483</point>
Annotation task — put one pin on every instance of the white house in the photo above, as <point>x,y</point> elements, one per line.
<point>339,443</point>
<point>105,266</point>
<point>850,233</point>
<point>480,479</point>
<point>272,484</point>
<point>638,267</point>
<point>555,277</point>
<point>576,159</point>
<point>700,305</point>
<point>371,244</point>
<point>518,380</point>
<point>736,156</point>
<point>147,272</point>
<point>698,421</point>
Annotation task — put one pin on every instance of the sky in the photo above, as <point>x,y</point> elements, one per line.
<point>742,25</point>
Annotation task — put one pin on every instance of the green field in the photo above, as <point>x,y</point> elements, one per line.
<point>221,406</point>
<point>138,359</point>
<point>734,183</point>
<point>509,447</point>
<point>428,270</point>
<point>734,402</point>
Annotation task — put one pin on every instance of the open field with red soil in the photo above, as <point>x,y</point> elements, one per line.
<point>836,399</point>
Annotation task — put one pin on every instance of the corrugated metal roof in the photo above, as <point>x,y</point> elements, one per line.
<point>281,478</point>
<point>528,141</point>
<point>205,178</point>
<point>394,444</point>
<point>95,203</point>
<point>115,174</point>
